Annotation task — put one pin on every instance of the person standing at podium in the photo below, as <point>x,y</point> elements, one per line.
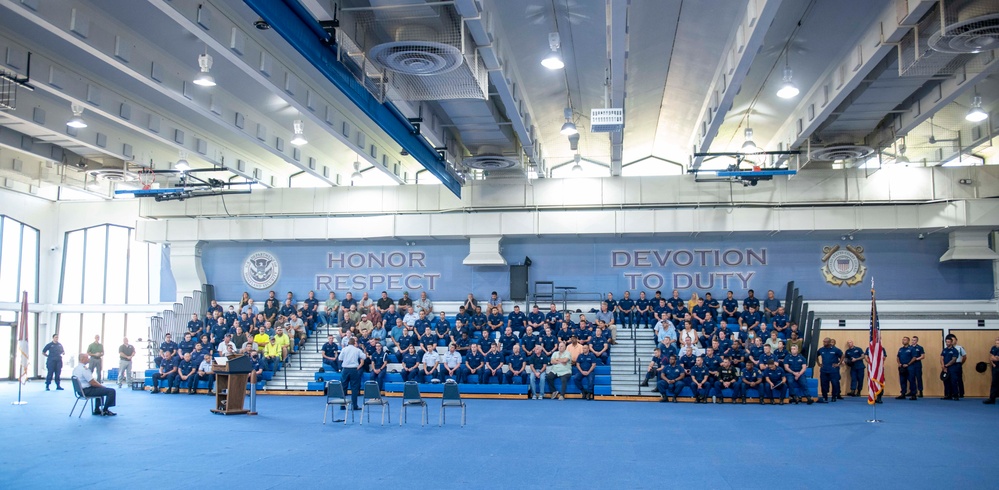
<point>350,363</point>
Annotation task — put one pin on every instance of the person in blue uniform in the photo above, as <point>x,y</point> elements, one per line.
<point>776,383</point>
<point>429,340</point>
<point>549,341</point>
<point>670,381</point>
<point>442,326</point>
<point>516,366</point>
<point>474,364</point>
<point>736,354</point>
<point>583,375</point>
<point>751,301</point>
<point>699,384</point>
<point>751,319</point>
<point>829,358</point>
<point>994,363</point>
<point>687,361</point>
<point>709,330</point>
<point>168,345</point>
<point>464,316</point>
<point>727,377</point>
<point>508,340</point>
<point>916,366</point>
<point>331,350</point>
<point>494,365</point>
<point>779,321</point>
<point>626,311</point>
<point>480,321</point>
<point>730,308</point>
<point>422,325</point>
<point>906,382</point>
<point>230,316</point>
<point>797,384</point>
<point>187,374</point>
<point>535,320</point>
<point>410,365</point>
<point>530,338</point>
<point>643,311</point>
<point>195,326</point>
<point>53,352</point>
<point>516,320</point>
<point>463,344</point>
<point>654,369</point>
<point>854,358</point>
<point>599,347</point>
<point>553,318</point>
<point>768,356</point>
<point>751,379</point>
<point>700,313</point>
<point>186,346</point>
<point>949,360</point>
<point>494,324</point>
<point>168,371</point>
<point>661,312</point>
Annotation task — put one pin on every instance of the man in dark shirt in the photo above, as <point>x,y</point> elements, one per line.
<point>654,369</point>
<point>168,371</point>
<point>670,380</point>
<point>829,357</point>
<point>586,363</point>
<point>187,374</point>
<point>473,365</point>
<point>994,363</point>
<point>854,358</point>
<point>330,351</point>
<point>53,352</point>
<point>728,378</point>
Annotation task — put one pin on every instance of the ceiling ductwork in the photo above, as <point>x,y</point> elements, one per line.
<point>969,245</point>
<point>953,36</point>
<point>488,159</point>
<point>845,152</point>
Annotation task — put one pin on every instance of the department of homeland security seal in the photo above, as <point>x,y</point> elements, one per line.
<point>260,270</point>
<point>843,265</point>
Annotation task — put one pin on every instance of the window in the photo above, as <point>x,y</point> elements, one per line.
<point>105,265</point>
<point>18,260</point>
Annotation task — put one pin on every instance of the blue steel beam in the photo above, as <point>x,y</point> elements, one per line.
<point>754,173</point>
<point>293,23</point>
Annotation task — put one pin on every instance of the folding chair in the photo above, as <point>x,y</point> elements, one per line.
<point>411,397</point>
<point>336,397</point>
<point>80,395</point>
<point>373,396</point>
<point>451,398</point>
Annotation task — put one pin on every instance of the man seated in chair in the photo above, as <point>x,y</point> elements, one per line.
<point>494,365</point>
<point>516,366</point>
<point>507,341</point>
<point>168,371</point>
<point>92,388</point>
<point>378,365</point>
<point>670,381</point>
<point>187,374</point>
<point>775,384</point>
<point>728,377</point>
<point>451,364</point>
<point>473,364</point>
<point>751,378</point>
<point>599,347</point>
<point>272,355</point>
<point>205,373</point>
<point>586,363</point>
<point>431,366</point>
<point>410,365</point>
<point>330,351</point>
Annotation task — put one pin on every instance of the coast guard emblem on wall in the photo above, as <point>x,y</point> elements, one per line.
<point>843,265</point>
<point>260,270</point>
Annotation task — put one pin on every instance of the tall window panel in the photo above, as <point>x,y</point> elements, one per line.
<point>18,260</point>
<point>105,265</point>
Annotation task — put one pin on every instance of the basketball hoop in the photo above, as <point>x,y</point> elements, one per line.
<point>146,178</point>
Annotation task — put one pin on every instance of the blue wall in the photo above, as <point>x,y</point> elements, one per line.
<point>904,267</point>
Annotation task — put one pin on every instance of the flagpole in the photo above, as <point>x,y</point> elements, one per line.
<point>22,338</point>
<point>871,374</point>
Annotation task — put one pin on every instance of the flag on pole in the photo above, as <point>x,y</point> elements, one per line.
<point>22,339</point>
<point>876,373</point>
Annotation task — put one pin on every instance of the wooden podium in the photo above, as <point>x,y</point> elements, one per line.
<point>230,385</point>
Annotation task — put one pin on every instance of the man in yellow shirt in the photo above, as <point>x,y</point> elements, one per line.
<point>261,339</point>
<point>273,354</point>
<point>283,341</point>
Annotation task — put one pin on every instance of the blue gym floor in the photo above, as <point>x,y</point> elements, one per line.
<point>171,441</point>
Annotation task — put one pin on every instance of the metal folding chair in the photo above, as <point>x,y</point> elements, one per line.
<point>336,397</point>
<point>411,397</point>
<point>451,398</point>
<point>80,395</point>
<point>373,396</point>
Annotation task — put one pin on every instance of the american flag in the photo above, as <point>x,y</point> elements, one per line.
<point>22,339</point>
<point>876,373</point>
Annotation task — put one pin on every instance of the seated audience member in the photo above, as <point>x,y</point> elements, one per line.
<point>574,347</point>
<point>424,305</point>
<point>409,317</point>
<point>168,371</point>
<point>780,353</point>
<point>474,364</point>
<point>494,324</point>
<point>699,313</point>
<point>688,334</point>
<point>470,303</point>
<point>536,319</point>
<point>284,341</point>
<point>364,326</point>
<point>273,355</point>
<point>168,345</point>
<point>585,363</point>
<point>537,365</point>
<point>239,338</point>
<point>772,340</point>
<point>730,308</point>
<point>105,397</point>
<point>257,367</point>
<point>198,354</point>
<point>549,341</point>
<point>494,365</point>
<point>480,322</point>
<point>751,301</point>
<point>330,351</point>
<point>643,311</point>
<point>728,378</point>
<point>736,354</point>
<point>768,356</point>
<point>394,335</point>
<point>516,320</point>
<point>206,345</point>
<point>378,333</point>
<point>756,351</point>
<point>751,378</point>
<point>776,383</point>
<point>227,347</point>
<point>671,380</point>
<point>770,306</point>
<point>599,347</point>
<point>195,326</point>
<point>463,344</point>
<point>560,367</point>
<point>378,365</point>
<point>205,373</point>
<point>709,330</point>
<point>530,339</point>
<point>262,338</point>
<point>405,301</point>
<point>464,316</point>
<point>431,366</point>
<point>507,341</point>
<point>428,340</point>
<point>606,315</point>
<point>351,317</point>
<point>442,326</point>
<point>565,332</point>
<point>272,309</point>
<point>516,365</point>
<point>384,303</point>
<point>724,342</point>
<point>654,368</point>
<point>794,338</point>
<point>553,318</point>
<point>331,307</point>
<point>495,302</point>
<point>186,346</point>
<point>625,311</point>
<point>250,308</point>
<point>779,323</point>
<point>699,384</point>
<point>794,365</point>
<point>410,365</point>
<point>451,364</point>
<point>687,361</point>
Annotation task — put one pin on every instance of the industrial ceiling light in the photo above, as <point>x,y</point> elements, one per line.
<point>77,120</point>
<point>976,114</point>
<point>357,175</point>
<point>182,164</point>
<point>569,128</point>
<point>576,167</point>
<point>554,60</point>
<point>788,89</point>
<point>205,79</point>
<point>901,159</point>
<point>299,138</point>
<point>749,146</point>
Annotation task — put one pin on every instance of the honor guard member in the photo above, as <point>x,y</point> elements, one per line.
<point>516,320</point>
<point>451,366</point>
<point>474,364</point>
<point>379,365</point>
<point>53,352</point>
<point>699,384</point>
<point>728,378</point>
<point>730,309</point>
<point>751,379</point>
<point>829,357</point>
<point>168,371</point>
<point>670,382</point>
<point>994,363</point>
<point>330,352</point>
<point>654,369</point>
<point>494,324</point>
<point>494,365</point>
<point>797,384</point>
<point>949,358</point>
<point>583,377</point>
<point>906,382</point>
<point>535,320</point>
<point>916,366</point>
<point>854,358</point>
<point>187,374</point>
<point>775,385</point>
<point>516,366</point>
<point>626,311</point>
<point>410,365</point>
<point>598,347</point>
<point>508,340</point>
<point>430,371</point>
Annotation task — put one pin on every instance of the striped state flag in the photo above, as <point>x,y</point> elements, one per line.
<point>876,373</point>
<point>22,339</point>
